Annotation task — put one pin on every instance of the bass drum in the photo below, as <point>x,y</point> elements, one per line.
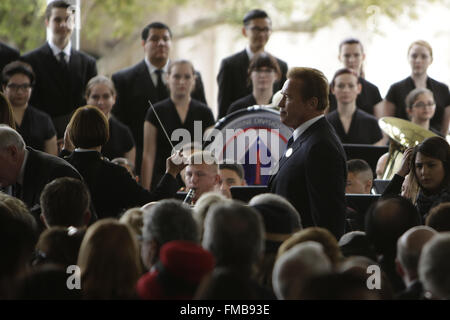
<point>253,137</point>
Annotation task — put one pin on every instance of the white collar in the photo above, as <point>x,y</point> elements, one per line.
<point>305,125</point>
<point>57,50</point>
<point>152,68</point>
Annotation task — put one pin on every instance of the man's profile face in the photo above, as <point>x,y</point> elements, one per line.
<point>157,45</point>
<point>356,183</point>
<point>229,178</point>
<point>201,177</point>
<point>60,24</point>
<point>293,110</point>
<point>258,32</point>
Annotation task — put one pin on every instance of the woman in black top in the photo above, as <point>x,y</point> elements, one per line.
<point>179,111</point>
<point>352,56</point>
<point>420,57</point>
<point>263,72</point>
<point>351,124</point>
<point>100,92</point>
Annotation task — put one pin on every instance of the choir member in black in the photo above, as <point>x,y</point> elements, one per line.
<point>352,56</point>
<point>35,126</point>
<point>351,124</point>
<point>420,107</point>
<point>263,72</point>
<point>177,112</point>
<point>420,57</point>
<point>100,92</point>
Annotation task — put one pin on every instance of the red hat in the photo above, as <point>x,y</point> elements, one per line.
<point>181,266</point>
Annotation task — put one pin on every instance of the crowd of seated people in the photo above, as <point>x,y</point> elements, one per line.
<point>117,225</point>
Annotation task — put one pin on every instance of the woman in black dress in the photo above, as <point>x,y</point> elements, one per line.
<point>100,92</point>
<point>179,111</point>
<point>420,57</point>
<point>263,72</point>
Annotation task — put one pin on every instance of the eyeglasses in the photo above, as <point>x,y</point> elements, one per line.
<point>260,30</point>
<point>16,87</point>
<point>423,105</point>
<point>265,70</point>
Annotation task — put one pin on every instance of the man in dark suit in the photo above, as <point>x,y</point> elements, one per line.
<point>61,71</point>
<point>312,173</point>
<point>7,55</point>
<point>233,73</point>
<point>24,172</point>
<point>146,81</point>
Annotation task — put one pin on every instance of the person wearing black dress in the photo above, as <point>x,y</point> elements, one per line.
<point>35,126</point>
<point>352,56</point>
<point>179,111</point>
<point>351,124</point>
<point>420,57</point>
<point>100,92</point>
<point>263,72</point>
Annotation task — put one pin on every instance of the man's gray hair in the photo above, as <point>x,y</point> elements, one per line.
<point>234,234</point>
<point>297,265</point>
<point>434,266</point>
<point>169,220</point>
<point>10,137</point>
<point>282,203</point>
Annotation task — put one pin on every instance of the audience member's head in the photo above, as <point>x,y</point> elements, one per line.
<point>65,202</point>
<point>434,266</point>
<point>409,247</point>
<point>180,269</point>
<point>202,173</point>
<point>202,206</point>
<point>166,221</point>
<point>59,245</point>
<point>109,261</point>
<point>134,218</point>
<point>355,243</point>
<point>12,154</point>
<point>234,234</point>
<point>89,128</point>
<point>47,282</point>
<point>231,174</point>
<point>320,235</point>
<point>387,220</point>
<point>359,178</point>
<point>439,217</point>
<point>17,240</point>
<point>295,266</point>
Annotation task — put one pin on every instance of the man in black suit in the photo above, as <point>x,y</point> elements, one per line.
<point>7,55</point>
<point>312,173</point>
<point>61,71</point>
<point>24,172</point>
<point>233,73</point>
<point>146,81</point>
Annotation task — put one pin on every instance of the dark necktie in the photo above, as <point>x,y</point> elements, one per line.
<point>161,89</point>
<point>290,142</point>
<point>62,60</point>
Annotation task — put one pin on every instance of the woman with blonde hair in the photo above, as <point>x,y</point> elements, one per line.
<point>109,261</point>
<point>6,113</point>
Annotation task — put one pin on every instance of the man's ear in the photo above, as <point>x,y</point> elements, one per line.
<point>244,32</point>
<point>42,217</point>
<point>368,186</point>
<point>399,268</point>
<point>313,102</point>
<point>46,22</point>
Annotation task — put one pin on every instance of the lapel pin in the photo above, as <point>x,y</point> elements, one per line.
<point>288,152</point>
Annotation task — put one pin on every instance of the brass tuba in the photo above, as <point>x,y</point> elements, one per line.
<point>403,134</point>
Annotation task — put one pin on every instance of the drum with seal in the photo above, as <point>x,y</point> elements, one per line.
<point>254,137</point>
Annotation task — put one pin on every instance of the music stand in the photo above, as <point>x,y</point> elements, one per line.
<point>367,152</point>
<point>245,193</point>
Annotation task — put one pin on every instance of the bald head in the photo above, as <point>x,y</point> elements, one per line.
<point>409,247</point>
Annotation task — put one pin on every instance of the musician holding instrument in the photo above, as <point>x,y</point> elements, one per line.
<point>179,111</point>
<point>263,72</point>
<point>420,107</point>
<point>429,164</point>
<point>352,124</point>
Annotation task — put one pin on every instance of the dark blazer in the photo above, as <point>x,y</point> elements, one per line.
<point>112,188</point>
<point>7,55</point>
<point>313,178</point>
<point>134,88</point>
<point>40,169</point>
<point>232,80</point>
<point>58,92</point>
